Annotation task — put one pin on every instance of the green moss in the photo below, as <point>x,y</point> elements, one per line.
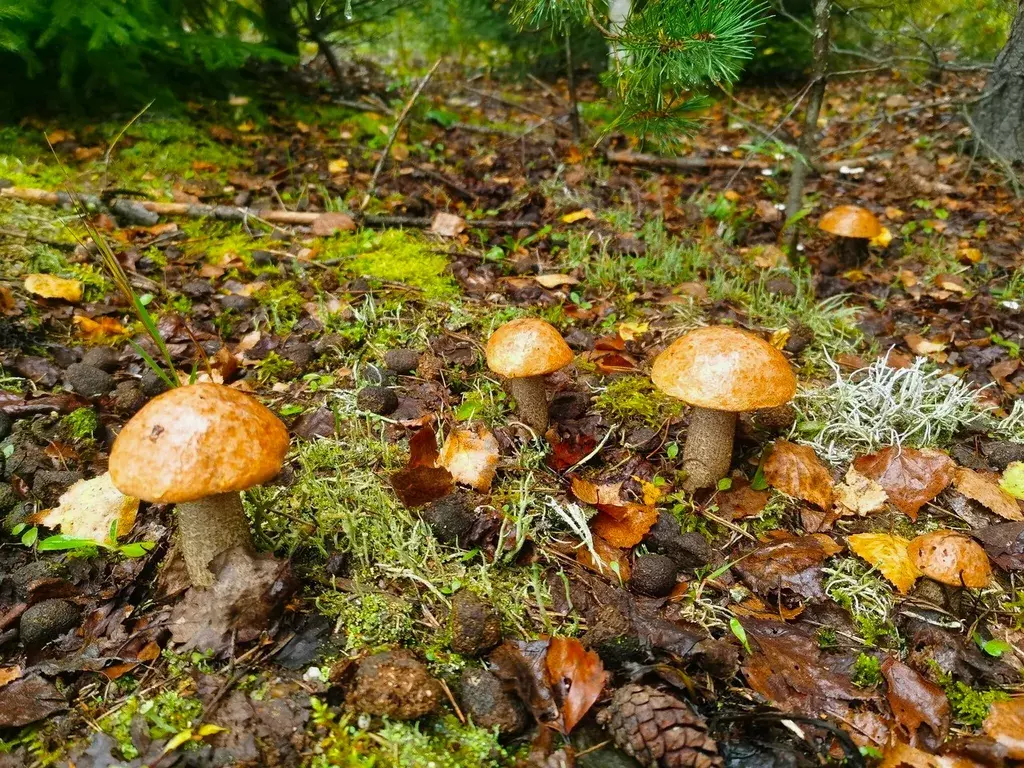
<point>441,743</point>
<point>867,671</point>
<point>635,398</point>
<point>395,256</point>
<point>80,424</point>
<point>166,714</point>
<point>284,304</point>
<point>969,706</point>
<point>370,621</point>
<point>272,367</point>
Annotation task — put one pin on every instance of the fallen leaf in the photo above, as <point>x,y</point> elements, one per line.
<point>609,560</point>
<point>99,329</point>
<point>766,211</point>
<point>796,471</point>
<point>740,501</point>
<point>900,755</point>
<point>576,676</point>
<point>521,666</point>
<point>922,346</point>
<point>1005,725</point>
<point>628,530</point>
<point>88,509</point>
<point>555,280</point>
<point>52,287</point>
<point>916,701</point>
<point>327,224</point>
<point>951,558</point>
<point>882,239</point>
<point>422,481</point>
<point>28,700</point>
<point>572,218</point>
<point>1013,479</point>
<point>471,456</point>
<point>793,564</point>
<point>889,554</point>
<point>860,495</point>
<point>1004,543</point>
<point>769,256</point>
<point>632,330</point>
<point>985,489</point>
<point>9,675</point>
<point>596,495</point>
<point>337,166</point>
<point>910,477</point>
<point>568,452</point>
<point>447,224</point>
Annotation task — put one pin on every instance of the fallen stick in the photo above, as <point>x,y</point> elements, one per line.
<point>230,213</point>
<point>700,163</point>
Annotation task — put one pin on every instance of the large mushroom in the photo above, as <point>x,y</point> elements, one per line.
<point>524,351</point>
<point>720,371</point>
<point>198,447</point>
<point>854,226</point>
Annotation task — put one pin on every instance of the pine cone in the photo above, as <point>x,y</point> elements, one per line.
<point>659,730</point>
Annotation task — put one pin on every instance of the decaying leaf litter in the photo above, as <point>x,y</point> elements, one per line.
<point>446,579</point>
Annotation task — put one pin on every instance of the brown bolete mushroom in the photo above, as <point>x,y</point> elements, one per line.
<point>854,226</point>
<point>524,351</point>
<point>198,447</point>
<point>720,371</point>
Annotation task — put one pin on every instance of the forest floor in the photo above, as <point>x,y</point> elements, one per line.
<point>800,585</point>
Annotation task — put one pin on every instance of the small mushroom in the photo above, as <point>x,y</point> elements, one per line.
<point>198,447</point>
<point>524,351</point>
<point>854,226</point>
<point>720,371</point>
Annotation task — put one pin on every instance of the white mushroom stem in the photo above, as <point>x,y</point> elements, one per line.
<point>206,528</point>
<point>531,402</point>
<point>707,454</point>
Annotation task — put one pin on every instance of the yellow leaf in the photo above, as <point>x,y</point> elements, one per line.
<point>51,287</point>
<point>556,280</point>
<point>88,508</point>
<point>178,739</point>
<point>860,495</point>
<point>629,331</point>
<point>340,165</point>
<point>882,239</point>
<point>209,729</point>
<point>97,330</point>
<point>972,255</point>
<point>889,555</point>
<point>732,195</point>
<point>575,216</point>
<point>247,127</point>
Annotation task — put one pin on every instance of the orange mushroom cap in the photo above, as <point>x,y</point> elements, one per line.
<point>527,347</point>
<point>851,221</point>
<point>197,441</point>
<point>724,369</point>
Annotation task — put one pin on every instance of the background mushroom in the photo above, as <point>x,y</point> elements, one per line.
<point>523,352</point>
<point>854,226</point>
<point>198,447</point>
<point>720,371</point>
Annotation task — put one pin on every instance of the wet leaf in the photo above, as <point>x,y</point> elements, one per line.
<point>471,456</point>
<point>889,554</point>
<point>28,700</point>
<point>521,665</point>
<point>630,529</point>
<point>985,489</point>
<point>796,471</point>
<point>793,564</point>
<point>570,451</point>
<point>900,755</point>
<point>910,477</point>
<point>422,482</point>
<point>741,501</point>
<point>860,495</point>
<point>577,677</point>
<point>951,558</point>
<point>52,287</point>
<point>1004,543</point>
<point>99,329</point>
<point>916,702</point>
<point>88,510</point>
<point>1005,725</point>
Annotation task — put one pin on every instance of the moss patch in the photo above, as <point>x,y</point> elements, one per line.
<point>395,256</point>
<point>635,398</point>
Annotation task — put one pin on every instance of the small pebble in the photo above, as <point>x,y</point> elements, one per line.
<point>402,361</point>
<point>47,621</point>
<point>88,381</point>
<point>105,358</point>
<point>653,575</point>
<point>379,400</point>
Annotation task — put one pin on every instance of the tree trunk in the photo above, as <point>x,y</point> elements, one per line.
<point>999,117</point>
<point>279,26</point>
<point>808,138</point>
<point>618,12</point>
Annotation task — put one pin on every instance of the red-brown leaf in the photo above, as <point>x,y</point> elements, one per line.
<point>421,482</point>
<point>793,564</point>
<point>628,530</point>
<point>915,702</point>
<point>576,675</point>
<point>911,477</point>
<point>796,471</point>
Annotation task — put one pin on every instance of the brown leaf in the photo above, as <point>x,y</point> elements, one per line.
<point>471,456</point>
<point>1005,724</point>
<point>910,477</point>
<point>1004,543</point>
<point>889,555</point>
<point>447,224</point>
<point>566,453</point>
<point>900,755</point>
<point>596,495</point>
<point>607,557</point>
<point>951,558</point>
<point>422,482</point>
<point>577,674</point>
<point>860,495</point>
<point>796,471</point>
<point>327,224</point>
<point>793,564</point>
<point>521,665</point>
<point>630,529</point>
<point>9,675</point>
<point>916,701</point>
<point>740,501</point>
<point>984,489</point>
<point>28,700</point>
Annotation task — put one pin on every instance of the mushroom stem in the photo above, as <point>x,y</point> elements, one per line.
<point>853,251</point>
<point>707,454</point>
<point>207,527</point>
<point>531,402</point>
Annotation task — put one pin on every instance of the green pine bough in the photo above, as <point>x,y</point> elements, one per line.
<point>669,54</point>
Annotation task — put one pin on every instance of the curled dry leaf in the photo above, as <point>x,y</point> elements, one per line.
<point>910,477</point>
<point>889,554</point>
<point>9,675</point>
<point>88,508</point>
<point>916,702</point>
<point>796,471</point>
<point>99,329</point>
<point>52,287</point>
<point>576,676</point>
<point>984,489</point>
<point>793,564</point>
<point>1005,725</point>
<point>951,558</point>
<point>860,495</point>
<point>609,559</point>
<point>627,530</point>
<point>471,456</point>
<point>422,481</point>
